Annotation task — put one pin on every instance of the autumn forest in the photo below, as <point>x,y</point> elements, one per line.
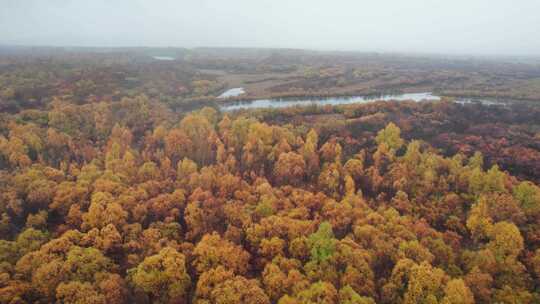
<point>121,181</point>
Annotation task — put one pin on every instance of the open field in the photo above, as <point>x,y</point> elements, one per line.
<point>315,74</point>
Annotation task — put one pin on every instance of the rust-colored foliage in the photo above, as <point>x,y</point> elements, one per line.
<point>114,198</point>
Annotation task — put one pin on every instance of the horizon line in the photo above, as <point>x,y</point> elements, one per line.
<point>311,49</point>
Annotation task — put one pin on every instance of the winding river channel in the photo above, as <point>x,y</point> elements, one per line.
<point>339,100</point>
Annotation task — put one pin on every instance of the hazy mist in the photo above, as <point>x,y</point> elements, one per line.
<point>425,26</point>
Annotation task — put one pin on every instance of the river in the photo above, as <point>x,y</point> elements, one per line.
<point>340,100</point>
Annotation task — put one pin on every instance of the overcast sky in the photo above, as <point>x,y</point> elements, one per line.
<point>426,26</point>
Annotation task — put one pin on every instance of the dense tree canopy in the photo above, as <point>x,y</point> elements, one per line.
<point>121,200</point>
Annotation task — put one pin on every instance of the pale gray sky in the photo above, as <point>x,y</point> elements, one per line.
<point>427,26</point>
